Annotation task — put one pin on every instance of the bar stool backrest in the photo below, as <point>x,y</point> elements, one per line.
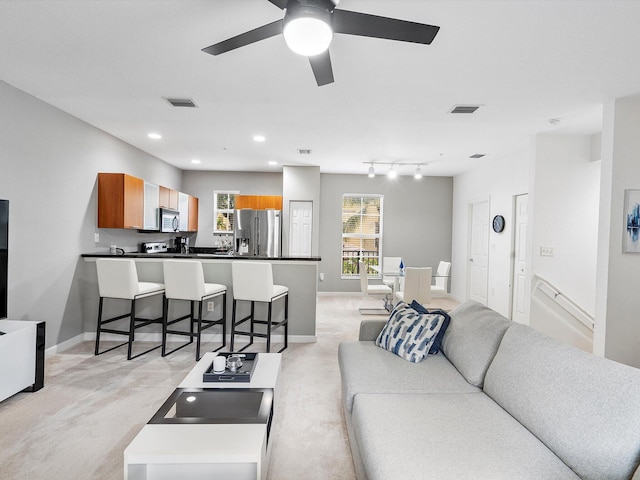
<point>252,281</point>
<point>117,278</point>
<point>183,279</point>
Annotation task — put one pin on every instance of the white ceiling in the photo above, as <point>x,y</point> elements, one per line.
<point>111,63</point>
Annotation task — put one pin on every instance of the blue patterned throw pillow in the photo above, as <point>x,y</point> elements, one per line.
<point>409,334</point>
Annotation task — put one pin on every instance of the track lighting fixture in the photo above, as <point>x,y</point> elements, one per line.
<point>393,173</point>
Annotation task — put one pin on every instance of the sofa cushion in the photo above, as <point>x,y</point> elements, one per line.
<point>409,334</point>
<point>472,339</point>
<point>584,408</point>
<point>366,368</point>
<point>448,436</point>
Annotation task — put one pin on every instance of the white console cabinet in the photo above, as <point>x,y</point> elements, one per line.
<point>21,356</point>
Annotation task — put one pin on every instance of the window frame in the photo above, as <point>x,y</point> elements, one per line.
<point>362,236</point>
<point>216,210</point>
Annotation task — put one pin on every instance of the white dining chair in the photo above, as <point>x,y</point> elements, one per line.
<point>441,280</point>
<point>383,291</point>
<point>390,270</point>
<point>417,286</point>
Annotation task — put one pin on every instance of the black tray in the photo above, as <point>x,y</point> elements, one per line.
<point>242,375</point>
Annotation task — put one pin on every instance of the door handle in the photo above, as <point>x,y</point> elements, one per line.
<point>471,259</point>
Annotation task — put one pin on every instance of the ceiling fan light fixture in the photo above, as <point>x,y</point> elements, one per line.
<point>307,29</point>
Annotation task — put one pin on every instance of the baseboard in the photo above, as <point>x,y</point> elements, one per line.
<point>340,294</point>
<point>67,344</point>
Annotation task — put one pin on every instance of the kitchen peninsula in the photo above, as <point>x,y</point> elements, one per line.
<point>299,274</point>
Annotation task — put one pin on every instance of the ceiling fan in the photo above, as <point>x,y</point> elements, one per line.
<point>308,27</point>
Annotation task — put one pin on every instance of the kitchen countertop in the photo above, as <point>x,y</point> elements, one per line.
<point>198,256</point>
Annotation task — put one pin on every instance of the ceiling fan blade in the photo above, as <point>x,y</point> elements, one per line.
<point>354,23</point>
<point>281,4</point>
<point>321,66</point>
<point>261,33</point>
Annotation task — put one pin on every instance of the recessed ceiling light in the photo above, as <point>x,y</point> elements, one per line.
<point>195,160</point>
<point>259,138</point>
<point>155,136</point>
<point>273,162</point>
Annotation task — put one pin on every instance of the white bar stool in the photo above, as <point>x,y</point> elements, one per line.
<point>253,282</point>
<point>184,280</point>
<point>118,279</point>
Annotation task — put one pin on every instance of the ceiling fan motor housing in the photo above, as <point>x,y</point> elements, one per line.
<point>309,9</point>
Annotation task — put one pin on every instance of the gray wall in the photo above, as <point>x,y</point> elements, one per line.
<point>416,222</point>
<point>49,163</point>
<point>202,184</point>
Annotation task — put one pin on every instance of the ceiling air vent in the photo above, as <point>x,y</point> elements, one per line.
<point>182,102</point>
<point>477,155</point>
<point>464,109</point>
<point>304,151</point>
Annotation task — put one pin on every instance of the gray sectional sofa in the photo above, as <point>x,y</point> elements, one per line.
<point>500,401</point>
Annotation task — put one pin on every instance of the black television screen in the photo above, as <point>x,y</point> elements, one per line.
<point>4,255</point>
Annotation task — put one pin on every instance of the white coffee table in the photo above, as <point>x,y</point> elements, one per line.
<point>205,451</point>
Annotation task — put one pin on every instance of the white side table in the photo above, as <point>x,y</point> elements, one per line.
<point>205,451</point>
<point>21,356</point>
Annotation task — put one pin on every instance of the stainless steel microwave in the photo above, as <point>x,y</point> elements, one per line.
<point>169,220</point>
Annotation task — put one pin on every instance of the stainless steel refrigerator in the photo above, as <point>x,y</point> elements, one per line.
<point>257,232</point>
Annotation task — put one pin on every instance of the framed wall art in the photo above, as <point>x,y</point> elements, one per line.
<point>631,238</point>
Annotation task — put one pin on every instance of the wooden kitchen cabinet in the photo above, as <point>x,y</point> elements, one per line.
<point>168,198</point>
<point>193,214</point>
<point>259,202</point>
<point>270,201</point>
<point>247,201</point>
<point>120,201</point>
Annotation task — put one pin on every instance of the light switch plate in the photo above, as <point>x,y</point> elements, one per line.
<point>546,251</point>
<point>96,237</point>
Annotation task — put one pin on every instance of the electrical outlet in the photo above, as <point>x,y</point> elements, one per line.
<point>210,306</point>
<point>96,237</point>
<point>546,251</point>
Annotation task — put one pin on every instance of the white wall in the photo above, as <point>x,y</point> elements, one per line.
<point>565,207</point>
<point>497,181</point>
<point>298,184</point>
<point>49,163</point>
<point>617,332</point>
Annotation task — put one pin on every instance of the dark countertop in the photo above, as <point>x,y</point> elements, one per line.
<point>200,256</point>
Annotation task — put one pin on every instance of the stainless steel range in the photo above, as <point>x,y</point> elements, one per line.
<point>153,247</point>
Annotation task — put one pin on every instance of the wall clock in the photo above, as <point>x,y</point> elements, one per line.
<point>498,223</point>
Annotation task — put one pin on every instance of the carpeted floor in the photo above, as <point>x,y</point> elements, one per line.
<point>90,409</point>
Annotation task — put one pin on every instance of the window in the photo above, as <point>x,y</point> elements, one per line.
<point>361,234</point>
<point>224,204</point>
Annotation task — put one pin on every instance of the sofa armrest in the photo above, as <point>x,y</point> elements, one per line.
<point>370,329</point>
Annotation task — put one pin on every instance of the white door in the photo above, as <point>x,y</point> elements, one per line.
<point>479,252</point>
<point>520,291</point>
<point>300,228</point>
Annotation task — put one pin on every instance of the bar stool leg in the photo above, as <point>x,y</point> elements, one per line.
<point>132,329</point>
<point>198,341</point>
<point>269,328</point>
<point>165,319</point>
<point>286,319</point>
<point>191,320</point>
<point>253,310</point>
<point>99,325</point>
<point>224,319</point>
<point>233,324</point>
